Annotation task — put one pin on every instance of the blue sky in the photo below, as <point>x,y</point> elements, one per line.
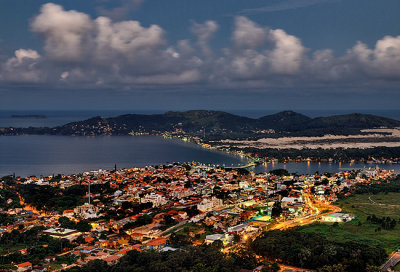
<point>182,54</point>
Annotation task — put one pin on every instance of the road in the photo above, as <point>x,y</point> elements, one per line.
<point>174,226</point>
<point>312,205</point>
<point>393,260</point>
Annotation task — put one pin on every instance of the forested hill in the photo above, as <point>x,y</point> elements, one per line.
<point>214,123</point>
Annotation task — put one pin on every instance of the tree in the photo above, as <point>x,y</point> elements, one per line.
<point>83,226</point>
<point>270,267</point>
<point>218,244</point>
<point>276,209</point>
<point>66,223</point>
<point>333,268</point>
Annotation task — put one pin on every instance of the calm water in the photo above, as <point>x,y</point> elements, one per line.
<point>46,155</point>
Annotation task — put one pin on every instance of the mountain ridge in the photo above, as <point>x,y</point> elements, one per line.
<point>217,123</point>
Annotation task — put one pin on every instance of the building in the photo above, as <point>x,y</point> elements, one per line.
<point>86,211</point>
<point>61,233</point>
<point>225,238</point>
<point>26,266</point>
<point>337,217</point>
<point>209,204</point>
<point>238,228</point>
<point>156,244</point>
<point>156,199</point>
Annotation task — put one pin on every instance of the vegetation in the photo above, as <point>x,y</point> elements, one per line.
<point>337,154</point>
<point>216,124</point>
<point>38,246</point>
<point>201,258</point>
<point>315,251</point>
<point>6,219</point>
<point>362,229</point>
<point>52,198</point>
<point>82,226</point>
<point>8,199</point>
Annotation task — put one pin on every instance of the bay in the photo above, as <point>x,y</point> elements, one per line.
<point>46,155</point>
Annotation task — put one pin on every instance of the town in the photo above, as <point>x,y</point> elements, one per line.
<point>75,219</point>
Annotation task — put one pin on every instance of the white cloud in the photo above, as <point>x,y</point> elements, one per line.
<point>128,38</point>
<point>248,34</point>
<point>81,51</point>
<point>204,33</point>
<point>22,54</point>
<point>287,54</point>
<point>260,52</point>
<point>383,60</point>
<point>22,67</point>
<point>64,32</point>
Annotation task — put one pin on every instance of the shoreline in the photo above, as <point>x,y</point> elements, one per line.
<point>250,158</point>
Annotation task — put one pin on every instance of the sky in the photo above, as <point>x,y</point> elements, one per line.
<point>190,54</point>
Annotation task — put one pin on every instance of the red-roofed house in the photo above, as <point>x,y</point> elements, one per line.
<point>24,266</point>
<point>156,244</point>
<point>112,259</point>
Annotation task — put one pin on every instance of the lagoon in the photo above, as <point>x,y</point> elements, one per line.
<point>46,155</point>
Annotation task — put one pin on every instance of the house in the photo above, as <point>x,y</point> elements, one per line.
<point>68,213</point>
<point>156,244</point>
<point>49,259</point>
<point>89,239</point>
<point>112,259</point>
<point>38,268</point>
<point>88,249</point>
<point>24,266</point>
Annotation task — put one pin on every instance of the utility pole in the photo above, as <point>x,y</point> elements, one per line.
<point>89,191</point>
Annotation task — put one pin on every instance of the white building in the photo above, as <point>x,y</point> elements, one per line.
<point>337,217</point>
<point>225,238</point>
<point>86,211</point>
<point>156,199</point>
<point>209,204</point>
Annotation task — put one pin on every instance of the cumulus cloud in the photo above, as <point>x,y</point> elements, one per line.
<point>248,34</point>
<point>22,67</point>
<point>101,52</point>
<point>261,52</point>
<point>204,33</point>
<point>127,38</point>
<point>383,60</point>
<point>287,54</point>
<point>64,31</point>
